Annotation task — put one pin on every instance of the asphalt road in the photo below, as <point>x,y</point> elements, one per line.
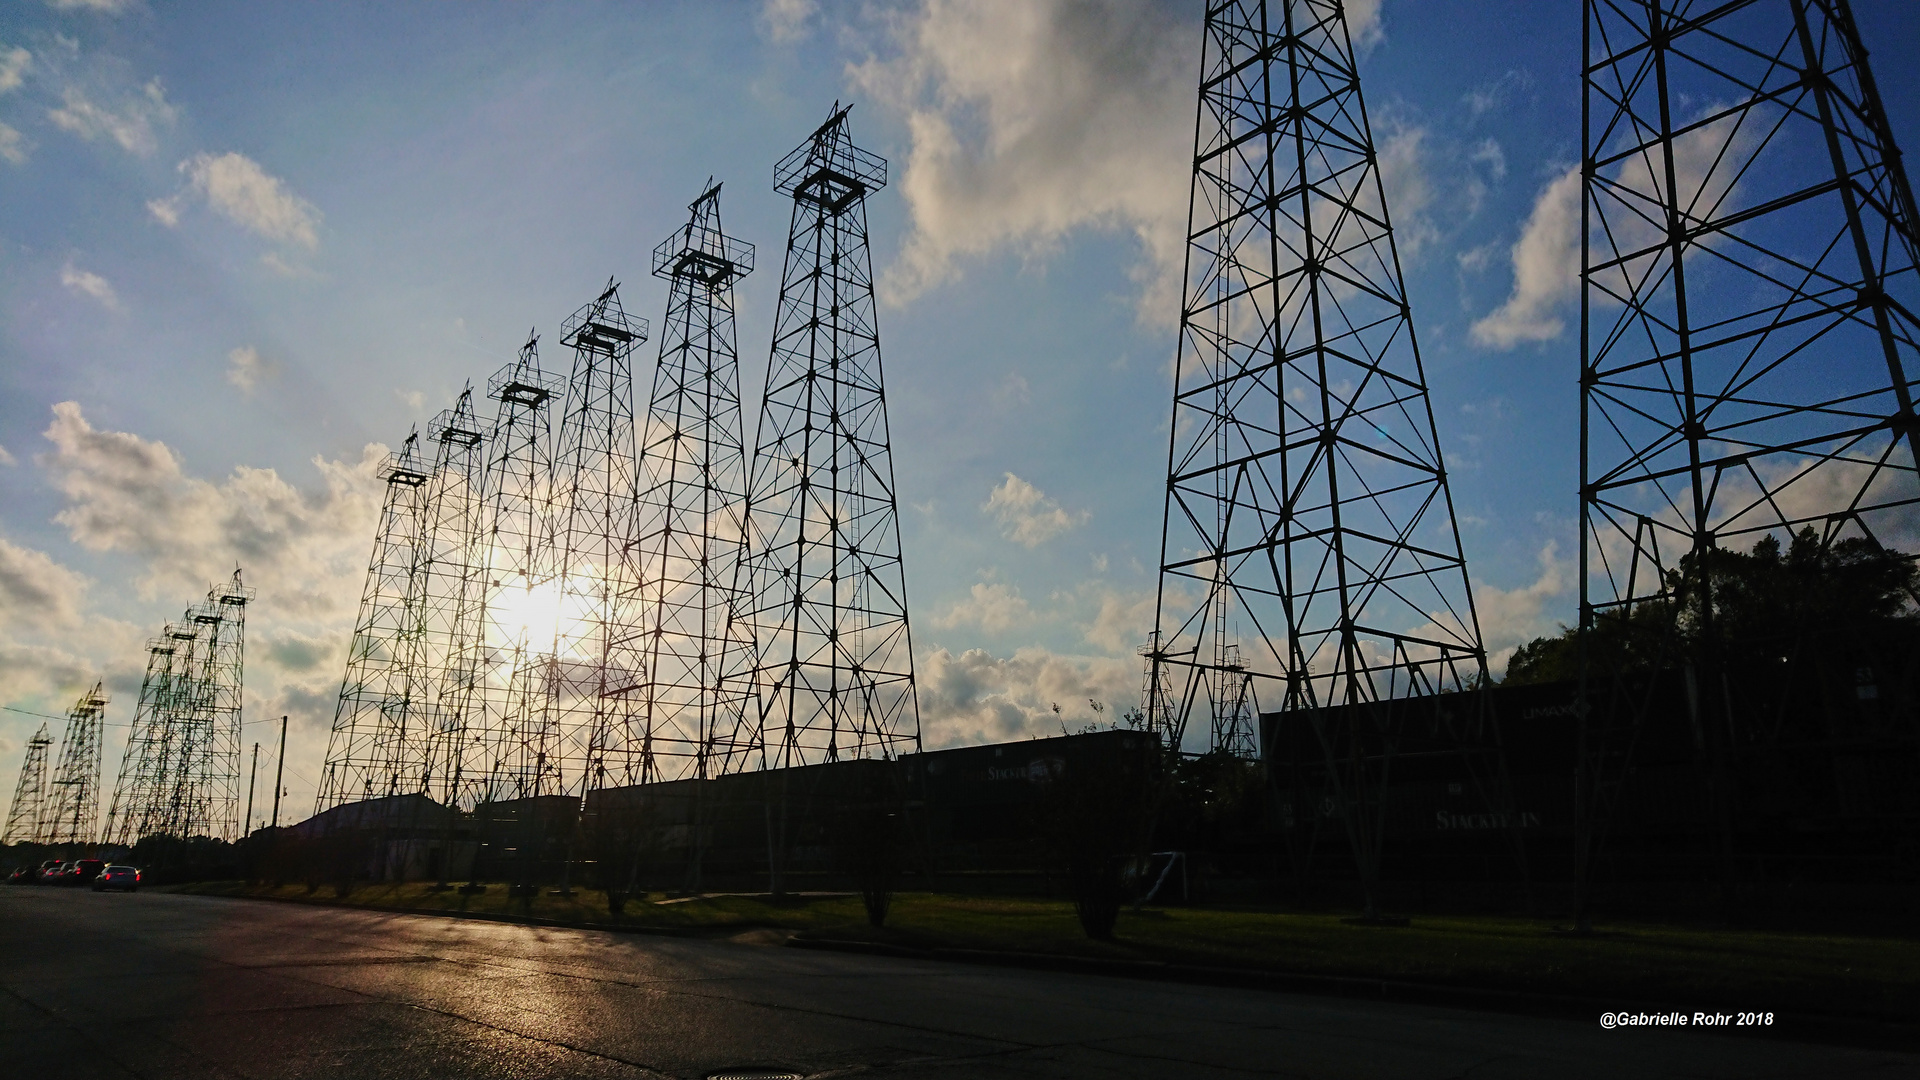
<point>157,985</point>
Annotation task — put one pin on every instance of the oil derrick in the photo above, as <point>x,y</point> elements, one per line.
<point>501,685</point>
<point>180,775</point>
<point>834,676</point>
<point>677,630</point>
<point>595,480</point>
<point>25,815</point>
<point>378,719</point>
<point>145,763</point>
<point>202,796</point>
<point>447,610</point>
<point>1309,555</point>
<point>73,802</point>
<point>1748,349</point>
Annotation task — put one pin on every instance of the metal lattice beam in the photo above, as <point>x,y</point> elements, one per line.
<point>378,717</point>
<point>180,775</point>
<point>73,802</point>
<point>1750,335</point>
<point>595,478</point>
<point>678,631</point>
<point>26,814</point>
<point>834,677</point>
<point>1309,558</point>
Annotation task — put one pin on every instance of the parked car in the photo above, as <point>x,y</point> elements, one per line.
<point>23,875</point>
<point>80,871</point>
<point>50,872</point>
<point>117,877</point>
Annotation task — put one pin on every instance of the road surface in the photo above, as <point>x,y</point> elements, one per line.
<point>158,985</point>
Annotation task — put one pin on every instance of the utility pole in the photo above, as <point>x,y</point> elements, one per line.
<point>279,772</point>
<point>253,774</point>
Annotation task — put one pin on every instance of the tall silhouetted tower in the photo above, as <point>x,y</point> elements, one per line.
<point>595,482</point>
<point>1750,335</point>
<point>1309,561</point>
<point>27,811</point>
<point>678,618</point>
<point>73,802</point>
<point>834,677</point>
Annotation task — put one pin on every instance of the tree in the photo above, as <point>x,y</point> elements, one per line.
<point>1764,602</point>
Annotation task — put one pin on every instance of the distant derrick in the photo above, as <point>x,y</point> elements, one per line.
<point>26,813</point>
<point>73,802</point>
<point>180,774</point>
<point>676,618</point>
<point>827,589</point>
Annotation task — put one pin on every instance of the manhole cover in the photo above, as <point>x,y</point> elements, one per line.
<point>753,1074</point>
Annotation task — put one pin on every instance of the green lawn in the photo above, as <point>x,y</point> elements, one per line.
<point>1641,965</point>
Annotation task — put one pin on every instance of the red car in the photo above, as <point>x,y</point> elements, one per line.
<point>117,877</point>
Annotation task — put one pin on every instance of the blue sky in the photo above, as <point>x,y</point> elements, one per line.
<point>244,247</point>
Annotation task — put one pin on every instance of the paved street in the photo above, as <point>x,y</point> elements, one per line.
<point>154,985</point>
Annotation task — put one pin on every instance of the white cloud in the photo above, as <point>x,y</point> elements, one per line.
<point>1409,191</point>
<point>992,606</point>
<point>1546,270</point>
<point>785,21</point>
<point>1510,618</point>
<point>165,211</point>
<point>1546,258</point>
<point>98,7</point>
<point>977,697</point>
<point>237,188</point>
<point>1489,153</point>
<point>1031,119</point>
<point>1364,25</point>
<point>90,284</point>
<point>14,65</point>
<point>131,124</point>
<point>7,460</point>
<point>1123,622</point>
<point>1491,95</point>
<point>36,591</point>
<point>245,368</point>
<point>128,494</point>
<point>1026,515</point>
<point>13,146</point>
<point>413,399</point>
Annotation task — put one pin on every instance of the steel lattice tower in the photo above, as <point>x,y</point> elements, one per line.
<point>834,676</point>
<point>378,717</point>
<point>180,775</point>
<point>73,802</point>
<point>25,815</point>
<point>1307,509</point>
<point>518,605</point>
<point>450,599</point>
<point>1750,322</point>
<point>678,633</point>
<point>203,797</point>
<point>145,762</point>
<point>595,483</point>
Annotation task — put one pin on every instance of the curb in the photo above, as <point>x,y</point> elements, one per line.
<point>1884,1032</point>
